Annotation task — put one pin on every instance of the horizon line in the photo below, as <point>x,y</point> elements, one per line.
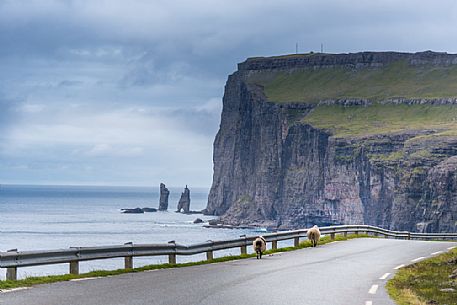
<point>96,185</point>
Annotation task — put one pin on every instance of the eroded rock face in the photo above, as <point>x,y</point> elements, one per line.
<point>163,201</point>
<point>184,201</point>
<point>352,60</point>
<point>270,169</point>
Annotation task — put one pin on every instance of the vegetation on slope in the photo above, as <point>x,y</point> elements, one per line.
<point>398,79</point>
<point>383,118</point>
<point>427,282</point>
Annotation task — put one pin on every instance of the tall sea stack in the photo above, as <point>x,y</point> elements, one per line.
<point>184,202</point>
<point>163,202</point>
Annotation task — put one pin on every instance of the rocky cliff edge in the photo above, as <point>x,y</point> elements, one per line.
<point>363,138</point>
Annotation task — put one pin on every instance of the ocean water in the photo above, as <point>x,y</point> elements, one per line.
<point>56,217</point>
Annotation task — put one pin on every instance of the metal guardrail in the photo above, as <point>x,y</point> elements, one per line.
<point>14,259</point>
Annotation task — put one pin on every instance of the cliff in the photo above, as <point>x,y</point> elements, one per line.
<point>364,138</point>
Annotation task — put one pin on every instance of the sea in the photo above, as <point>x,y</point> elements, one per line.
<point>58,217</point>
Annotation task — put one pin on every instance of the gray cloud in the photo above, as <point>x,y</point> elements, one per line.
<point>8,111</point>
<point>109,92</point>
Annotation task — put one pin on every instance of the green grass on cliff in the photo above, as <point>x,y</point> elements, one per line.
<point>427,282</point>
<point>398,79</point>
<point>383,118</point>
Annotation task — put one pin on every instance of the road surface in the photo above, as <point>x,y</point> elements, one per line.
<point>339,273</point>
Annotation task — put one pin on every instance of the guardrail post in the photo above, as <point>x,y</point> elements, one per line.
<point>172,256</point>
<point>375,234</point>
<point>243,248</point>
<point>128,260</point>
<point>296,241</point>
<point>345,233</point>
<point>74,267</point>
<point>409,235</point>
<point>209,254</point>
<point>274,244</point>
<point>11,272</point>
<point>332,236</point>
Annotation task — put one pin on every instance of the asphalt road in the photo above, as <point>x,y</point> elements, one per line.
<point>340,273</point>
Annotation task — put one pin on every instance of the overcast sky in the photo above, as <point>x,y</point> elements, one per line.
<point>129,92</point>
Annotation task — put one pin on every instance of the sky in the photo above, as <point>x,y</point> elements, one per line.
<point>130,92</point>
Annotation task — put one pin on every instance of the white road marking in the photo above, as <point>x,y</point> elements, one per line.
<point>368,303</point>
<point>450,248</point>
<point>14,289</point>
<point>417,259</point>
<point>373,289</point>
<point>399,266</point>
<point>384,276</point>
<point>84,279</point>
<point>437,252</point>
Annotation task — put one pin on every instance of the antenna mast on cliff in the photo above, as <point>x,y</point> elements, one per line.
<point>322,47</point>
<point>296,48</point>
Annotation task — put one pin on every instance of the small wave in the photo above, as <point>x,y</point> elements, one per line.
<point>261,230</point>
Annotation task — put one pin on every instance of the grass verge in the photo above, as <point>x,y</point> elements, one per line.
<point>426,282</point>
<point>30,281</point>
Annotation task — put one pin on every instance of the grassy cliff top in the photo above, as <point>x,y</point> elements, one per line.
<point>383,119</point>
<point>398,79</point>
<point>372,76</point>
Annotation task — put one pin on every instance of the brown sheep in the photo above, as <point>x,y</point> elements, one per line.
<point>259,245</point>
<point>314,235</point>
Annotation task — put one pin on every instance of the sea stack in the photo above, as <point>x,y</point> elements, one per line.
<point>163,202</point>
<point>184,202</point>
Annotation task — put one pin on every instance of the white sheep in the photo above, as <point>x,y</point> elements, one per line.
<point>314,235</point>
<point>259,245</point>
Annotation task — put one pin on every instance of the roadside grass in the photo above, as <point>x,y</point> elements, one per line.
<point>30,281</point>
<point>422,283</point>
<point>398,79</point>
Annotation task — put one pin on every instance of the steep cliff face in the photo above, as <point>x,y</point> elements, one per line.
<point>352,157</point>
